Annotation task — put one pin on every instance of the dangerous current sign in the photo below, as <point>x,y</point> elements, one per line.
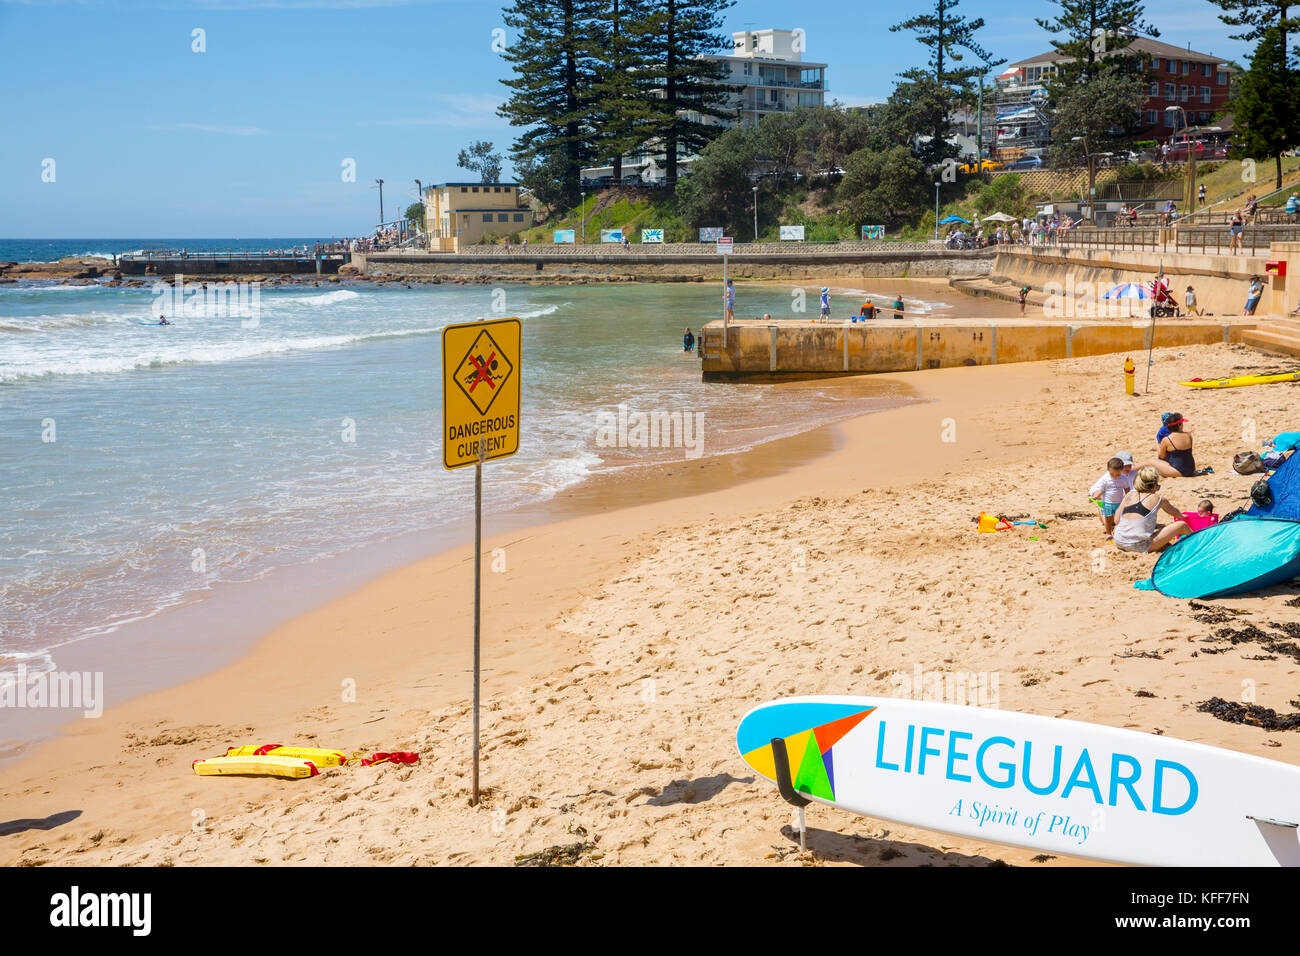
<point>480,390</point>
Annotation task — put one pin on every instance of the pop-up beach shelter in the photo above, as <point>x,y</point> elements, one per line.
<point>1256,550</point>
<point>948,219</point>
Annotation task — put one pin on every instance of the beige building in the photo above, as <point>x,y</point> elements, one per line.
<point>461,214</point>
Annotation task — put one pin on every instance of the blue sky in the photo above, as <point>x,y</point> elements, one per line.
<point>151,139</point>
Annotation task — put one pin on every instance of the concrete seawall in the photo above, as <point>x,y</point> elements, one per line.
<point>789,350</point>
<point>696,266</point>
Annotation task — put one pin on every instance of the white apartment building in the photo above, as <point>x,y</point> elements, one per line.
<point>772,76</point>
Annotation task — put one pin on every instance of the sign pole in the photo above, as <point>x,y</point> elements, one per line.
<point>482,368</point>
<point>478,581</point>
<point>724,300</point>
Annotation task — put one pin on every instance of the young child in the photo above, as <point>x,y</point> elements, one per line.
<point>1206,508</point>
<point>1110,489</point>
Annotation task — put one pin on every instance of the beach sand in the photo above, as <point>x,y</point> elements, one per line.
<point>622,646</point>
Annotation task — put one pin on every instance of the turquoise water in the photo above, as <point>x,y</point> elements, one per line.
<point>141,466</point>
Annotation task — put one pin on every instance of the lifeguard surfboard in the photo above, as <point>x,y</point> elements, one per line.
<point>1241,380</point>
<point>1062,786</point>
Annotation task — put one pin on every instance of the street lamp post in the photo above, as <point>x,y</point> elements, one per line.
<point>584,218</point>
<point>1092,177</point>
<point>1189,199</point>
<point>936,210</point>
<point>756,214</point>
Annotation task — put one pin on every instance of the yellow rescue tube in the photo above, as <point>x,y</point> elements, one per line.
<point>263,765</point>
<point>1241,380</point>
<point>320,756</point>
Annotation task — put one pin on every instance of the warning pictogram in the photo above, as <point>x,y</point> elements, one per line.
<point>483,372</point>
<point>480,411</point>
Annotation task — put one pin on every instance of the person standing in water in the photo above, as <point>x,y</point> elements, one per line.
<point>898,306</point>
<point>688,341</point>
<point>729,301</point>
<point>826,304</point>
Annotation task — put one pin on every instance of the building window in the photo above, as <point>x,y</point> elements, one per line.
<point>1206,69</point>
<point>1171,119</point>
<point>749,69</point>
<point>1152,117</point>
<point>464,189</point>
<point>519,217</point>
<point>1172,66</point>
<point>1182,94</point>
<point>1223,77</point>
<point>1154,91</point>
<point>1155,63</point>
<point>1170,92</point>
<point>503,217</point>
<point>1205,94</point>
<point>487,217</point>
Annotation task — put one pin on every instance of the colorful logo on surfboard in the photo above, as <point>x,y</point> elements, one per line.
<point>810,752</point>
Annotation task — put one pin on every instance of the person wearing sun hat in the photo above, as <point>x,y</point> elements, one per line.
<point>826,303</point>
<point>1174,455</point>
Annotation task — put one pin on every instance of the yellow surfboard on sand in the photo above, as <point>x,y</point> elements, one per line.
<point>1241,380</point>
<point>263,765</point>
<point>320,756</point>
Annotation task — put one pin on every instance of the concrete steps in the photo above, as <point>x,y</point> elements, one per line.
<point>1275,335</point>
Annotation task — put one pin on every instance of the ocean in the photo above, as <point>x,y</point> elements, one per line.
<point>52,250</point>
<point>142,466</point>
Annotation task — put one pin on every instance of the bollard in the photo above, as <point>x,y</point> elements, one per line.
<point>1129,371</point>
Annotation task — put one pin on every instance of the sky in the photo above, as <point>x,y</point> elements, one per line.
<point>115,126</point>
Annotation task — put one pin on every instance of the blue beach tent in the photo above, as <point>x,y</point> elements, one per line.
<point>1256,550</point>
<point>947,219</point>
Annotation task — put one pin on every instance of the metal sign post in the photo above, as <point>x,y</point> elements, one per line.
<point>724,248</point>
<point>482,368</point>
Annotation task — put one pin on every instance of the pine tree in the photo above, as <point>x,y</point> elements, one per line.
<point>1258,17</point>
<point>554,76</point>
<point>947,35</point>
<point>1264,103</point>
<point>676,35</point>
<point>623,90</point>
<point>944,86</point>
<point>1086,31</point>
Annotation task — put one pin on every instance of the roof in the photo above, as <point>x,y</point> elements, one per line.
<point>1139,45</point>
<point>444,185</point>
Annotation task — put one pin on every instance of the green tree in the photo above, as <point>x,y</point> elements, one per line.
<point>551,87</point>
<point>1101,112</point>
<point>883,187</point>
<point>1258,17</point>
<point>719,191</point>
<point>1086,31</point>
<point>1264,103</point>
<point>415,213</point>
<point>674,36</point>
<point>480,158</point>
<point>624,90</point>
<point>920,102</point>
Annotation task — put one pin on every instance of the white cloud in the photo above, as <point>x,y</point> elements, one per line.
<point>452,109</point>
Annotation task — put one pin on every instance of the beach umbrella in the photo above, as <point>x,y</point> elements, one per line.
<point>948,219</point>
<point>999,217</point>
<point>1128,290</point>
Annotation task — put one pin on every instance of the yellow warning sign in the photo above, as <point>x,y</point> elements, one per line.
<point>481,390</point>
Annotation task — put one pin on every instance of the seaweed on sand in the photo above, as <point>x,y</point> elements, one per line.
<point>1256,716</point>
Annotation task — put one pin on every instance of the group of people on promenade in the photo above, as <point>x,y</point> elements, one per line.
<point>1044,231</point>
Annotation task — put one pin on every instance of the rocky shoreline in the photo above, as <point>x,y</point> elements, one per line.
<point>95,271</point>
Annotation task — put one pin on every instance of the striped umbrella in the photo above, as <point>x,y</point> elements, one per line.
<point>1128,290</point>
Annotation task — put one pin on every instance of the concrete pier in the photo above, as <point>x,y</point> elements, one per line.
<point>788,349</point>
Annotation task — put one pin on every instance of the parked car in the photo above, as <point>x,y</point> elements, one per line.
<point>983,166</point>
<point>1026,162</point>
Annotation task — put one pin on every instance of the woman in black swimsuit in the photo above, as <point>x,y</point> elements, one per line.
<point>1175,456</point>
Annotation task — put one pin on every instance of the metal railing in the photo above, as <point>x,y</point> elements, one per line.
<point>1206,241</point>
<point>146,255</point>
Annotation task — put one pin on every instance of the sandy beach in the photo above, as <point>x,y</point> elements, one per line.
<point>623,644</point>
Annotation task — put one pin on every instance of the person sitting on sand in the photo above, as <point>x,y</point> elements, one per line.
<point>1136,527</point>
<point>1109,490</point>
<point>1175,458</point>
